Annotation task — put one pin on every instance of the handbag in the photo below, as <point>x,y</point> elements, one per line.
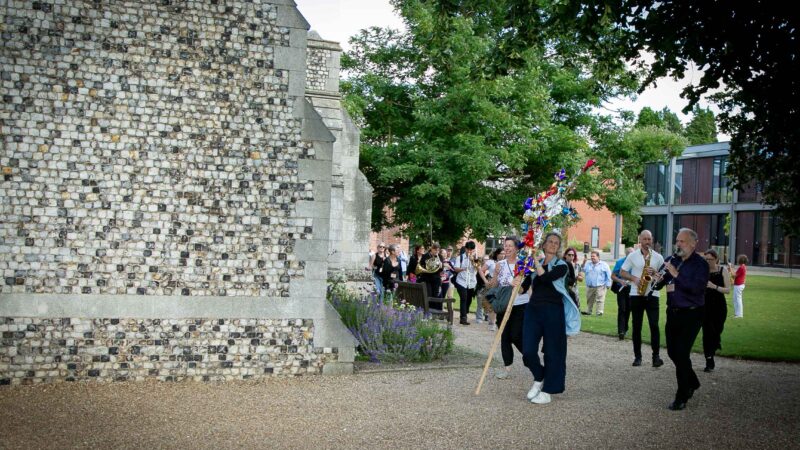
<point>499,297</point>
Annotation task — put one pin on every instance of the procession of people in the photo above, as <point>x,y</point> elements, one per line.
<point>547,303</point>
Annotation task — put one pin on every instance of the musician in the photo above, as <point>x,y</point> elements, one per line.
<point>466,280</point>
<point>642,297</point>
<point>432,279</point>
<point>686,277</point>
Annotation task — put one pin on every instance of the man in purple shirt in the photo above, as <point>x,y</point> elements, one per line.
<point>686,278</point>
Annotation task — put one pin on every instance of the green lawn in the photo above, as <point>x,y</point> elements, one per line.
<point>770,329</point>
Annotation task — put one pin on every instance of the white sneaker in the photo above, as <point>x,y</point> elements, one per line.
<point>542,398</point>
<point>537,387</point>
<point>492,327</point>
<point>502,374</point>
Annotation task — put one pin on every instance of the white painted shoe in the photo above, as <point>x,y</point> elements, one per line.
<point>537,387</point>
<point>542,398</point>
<point>502,374</point>
<point>492,327</point>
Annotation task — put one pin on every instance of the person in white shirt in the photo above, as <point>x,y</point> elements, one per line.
<point>597,275</point>
<point>466,279</point>
<point>643,297</point>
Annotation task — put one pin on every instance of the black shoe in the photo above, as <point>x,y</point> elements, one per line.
<point>657,362</point>
<point>709,364</point>
<point>463,322</point>
<point>585,313</point>
<point>637,362</point>
<point>622,336</point>
<point>677,406</point>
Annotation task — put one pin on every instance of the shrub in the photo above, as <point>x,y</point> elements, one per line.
<point>387,331</point>
<point>609,245</point>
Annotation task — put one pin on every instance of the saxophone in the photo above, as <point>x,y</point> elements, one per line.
<point>645,279</point>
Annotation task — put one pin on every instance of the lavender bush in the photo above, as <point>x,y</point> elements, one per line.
<point>388,331</point>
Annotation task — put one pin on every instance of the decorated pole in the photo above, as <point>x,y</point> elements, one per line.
<point>539,212</point>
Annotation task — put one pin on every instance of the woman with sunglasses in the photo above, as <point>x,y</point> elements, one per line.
<point>574,276</point>
<point>716,307</point>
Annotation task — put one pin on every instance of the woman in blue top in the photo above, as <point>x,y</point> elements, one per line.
<point>549,317</point>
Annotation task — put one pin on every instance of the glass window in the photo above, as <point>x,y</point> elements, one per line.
<point>658,227</point>
<point>656,179</point>
<point>720,192</point>
<point>678,188</point>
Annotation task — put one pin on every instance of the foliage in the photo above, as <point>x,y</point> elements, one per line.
<point>389,332</point>
<point>665,119</point>
<point>768,330</point>
<point>474,107</point>
<point>748,52</point>
<point>702,129</point>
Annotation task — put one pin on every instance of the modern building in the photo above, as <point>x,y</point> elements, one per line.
<point>693,191</point>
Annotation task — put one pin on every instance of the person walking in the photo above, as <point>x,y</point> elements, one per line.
<point>716,308</point>
<point>549,316</point>
<point>623,291</point>
<point>376,263</point>
<point>686,279</point>
<point>512,333</point>
<point>466,280</point>
<point>738,286</point>
<point>575,275</point>
<point>598,279</point>
<point>392,271</point>
<point>639,265</point>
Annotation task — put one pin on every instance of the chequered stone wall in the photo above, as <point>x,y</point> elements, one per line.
<point>147,148</point>
<point>70,349</point>
<point>318,70</point>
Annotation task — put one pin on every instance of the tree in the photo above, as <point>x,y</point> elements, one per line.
<point>460,123</point>
<point>665,119</point>
<point>748,52</point>
<point>702,129</point>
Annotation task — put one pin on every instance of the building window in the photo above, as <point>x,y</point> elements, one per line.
<point>720,192</point>
<point>678,188</point>
<point>657,225</point>
<point>595,238</point>
<point>656,181</point>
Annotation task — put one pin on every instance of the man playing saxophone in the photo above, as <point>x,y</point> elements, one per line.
<point>638,269</point>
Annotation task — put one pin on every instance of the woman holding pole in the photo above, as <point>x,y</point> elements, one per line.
<point>512,333</point>
<point>546,322</point>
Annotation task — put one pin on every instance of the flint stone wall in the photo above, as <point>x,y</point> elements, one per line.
<point>166,151</point>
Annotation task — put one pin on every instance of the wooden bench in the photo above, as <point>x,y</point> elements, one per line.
<point>417,294</point>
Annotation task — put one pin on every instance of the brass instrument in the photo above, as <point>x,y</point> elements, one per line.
<point>432,265</point>
<point>646,278</point>
<point>477,261</point>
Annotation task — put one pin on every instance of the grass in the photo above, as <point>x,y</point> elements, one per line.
<point>769,330</point>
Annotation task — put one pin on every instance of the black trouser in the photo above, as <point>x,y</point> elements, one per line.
<point>640,304</point>
<point>512,333</point>
<point>681,331</point>
<point>434,285</point>
<point>623,310</point>
<point>716,311</point>
<point>544,323</point>
<point>465,297</point>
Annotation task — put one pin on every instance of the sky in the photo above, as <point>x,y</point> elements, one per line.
<point>337,20</point>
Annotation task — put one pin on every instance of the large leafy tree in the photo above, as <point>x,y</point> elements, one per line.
<point>475,106</point>
<point>702,129</point>
<point>750,57</point>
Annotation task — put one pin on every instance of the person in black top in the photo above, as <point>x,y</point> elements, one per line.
<point>376,264</point>
<point>412,263</point>
<point>545,323</point>
<point>432,279</point>
<point>392,270</point>
<point>719,284</point>
<point>686,277</point>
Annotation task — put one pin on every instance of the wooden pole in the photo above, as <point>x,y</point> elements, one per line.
<point>498,335</point>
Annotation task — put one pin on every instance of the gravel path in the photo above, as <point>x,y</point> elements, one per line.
<point>608,403</point>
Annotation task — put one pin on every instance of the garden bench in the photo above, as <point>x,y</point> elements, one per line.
<point>417,294</point>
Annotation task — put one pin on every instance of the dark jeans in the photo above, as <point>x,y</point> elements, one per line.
<point>465,297</point>
<point>716,311</point>
<point>681,331</point>
<point>639,305</point>
<point>545,322</point>
<point>512,333</point>
<point>623,310</point>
